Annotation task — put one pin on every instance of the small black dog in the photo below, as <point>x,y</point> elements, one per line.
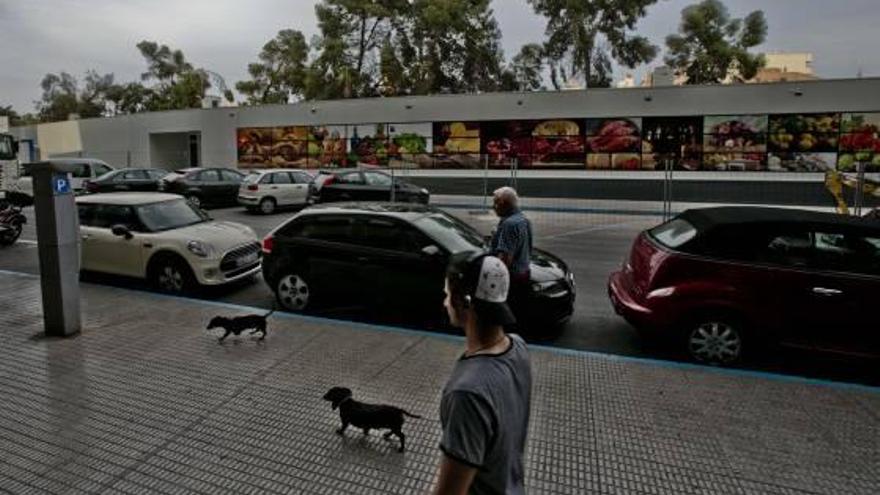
<point>368,416</point>
<point>238,324</point>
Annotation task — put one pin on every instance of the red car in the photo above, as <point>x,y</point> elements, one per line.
<point>720,280</point>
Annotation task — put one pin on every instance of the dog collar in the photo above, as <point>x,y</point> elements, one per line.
<point>343,401</point>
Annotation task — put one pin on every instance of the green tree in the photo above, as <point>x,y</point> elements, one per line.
<point>575,31</point>
<point>177,83</point>
<point>62,97</point>
<point>128,98</point>
<point>16,119</point>
<point>281,71</point>
<point>527,68</point>
<point>711,46</point>
<point>349,47</point>
<point>450,46</point>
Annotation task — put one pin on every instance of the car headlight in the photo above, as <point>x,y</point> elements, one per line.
<point>424,191</point>
<point>544,286</point>
<point>199,248</point>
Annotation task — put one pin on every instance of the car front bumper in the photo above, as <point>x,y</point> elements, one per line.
<point>626,304</point>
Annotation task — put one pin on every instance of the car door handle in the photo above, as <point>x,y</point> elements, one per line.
<point>85,237</point>
<point>363,258</point>
<point>822,291</point>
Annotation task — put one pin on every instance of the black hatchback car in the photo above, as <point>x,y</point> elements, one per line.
<point>363,185</point>
<point>127,179</point>
<point>204,186</point>
<point>392,258</point>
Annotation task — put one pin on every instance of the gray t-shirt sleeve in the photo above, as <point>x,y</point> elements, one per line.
<point>469,430</point>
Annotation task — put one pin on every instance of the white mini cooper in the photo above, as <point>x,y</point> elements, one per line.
<point>164,239</point>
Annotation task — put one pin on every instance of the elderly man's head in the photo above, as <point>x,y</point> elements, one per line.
<point>506,201</point>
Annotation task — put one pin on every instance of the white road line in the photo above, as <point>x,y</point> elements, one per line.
<point>27,241</point>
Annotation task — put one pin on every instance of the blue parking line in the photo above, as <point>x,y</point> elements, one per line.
<point>557,209</point>
<point>359,326</point>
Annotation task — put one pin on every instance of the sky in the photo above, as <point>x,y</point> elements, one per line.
<point>41,36</point>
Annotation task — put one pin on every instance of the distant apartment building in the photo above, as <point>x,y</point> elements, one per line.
<point>779,67</point>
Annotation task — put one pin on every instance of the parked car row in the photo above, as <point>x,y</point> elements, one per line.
<point>385,256</point>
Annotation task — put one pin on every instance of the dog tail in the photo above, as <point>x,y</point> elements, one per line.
<point>410,414</point>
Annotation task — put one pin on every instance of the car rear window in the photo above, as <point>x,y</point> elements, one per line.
<point>674,233</point>
<point>252,178</point>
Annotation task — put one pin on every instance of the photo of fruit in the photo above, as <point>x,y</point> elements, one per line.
<point>807,132</point>
<point>456,137</point>
<point>613,135</point>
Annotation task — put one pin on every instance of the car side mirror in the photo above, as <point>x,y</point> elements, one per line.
<point>121,231</point>
<point>431,251</point>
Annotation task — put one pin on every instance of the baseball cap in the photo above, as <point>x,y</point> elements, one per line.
<point>486,280</point>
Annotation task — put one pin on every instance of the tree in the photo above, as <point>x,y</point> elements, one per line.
<point>62,97</point>
<point>281,71</point>
<point>128,98</point>
<point>178,84</point>
<point>352,34</point>
<point>711,47</point>
<point>15,119</point>
<point>450,46</point>
<point>575,29</point>
<point>527,68</point>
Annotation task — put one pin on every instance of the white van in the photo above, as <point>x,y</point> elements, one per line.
<point>86,169</point>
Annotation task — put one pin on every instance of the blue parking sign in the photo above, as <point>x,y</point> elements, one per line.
<point>61,184</point>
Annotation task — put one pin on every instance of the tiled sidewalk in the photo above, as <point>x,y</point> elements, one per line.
<point>146,401</point>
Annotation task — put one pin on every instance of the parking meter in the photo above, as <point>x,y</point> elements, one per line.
<point>58,246</point>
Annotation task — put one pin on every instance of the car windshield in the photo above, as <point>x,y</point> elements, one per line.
<point>452,233</point>
<point>168,215</point>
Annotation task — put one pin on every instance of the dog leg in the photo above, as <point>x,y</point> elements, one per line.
<point>341,431</point>
<point>402,438</point>
<point>387,435</point>
<point>366,431</point>
<point>224,336</point>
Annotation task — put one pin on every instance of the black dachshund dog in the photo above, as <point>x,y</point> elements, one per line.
<point>368,416</point>
<point>238,324</point>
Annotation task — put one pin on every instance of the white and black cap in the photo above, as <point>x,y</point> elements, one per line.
<point>486,281</point>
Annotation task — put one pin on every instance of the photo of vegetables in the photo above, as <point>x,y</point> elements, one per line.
<point>807,132</point>
<point>410,145</point>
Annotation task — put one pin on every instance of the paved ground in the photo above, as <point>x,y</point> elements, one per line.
<point>592,236</point>
<point>145,400</point>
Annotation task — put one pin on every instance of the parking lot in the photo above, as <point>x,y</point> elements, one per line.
<point>592,237</point>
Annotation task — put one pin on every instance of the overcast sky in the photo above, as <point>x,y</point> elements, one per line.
<point>40,36</point>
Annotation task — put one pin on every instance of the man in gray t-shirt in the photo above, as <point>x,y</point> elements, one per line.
<point>484,410</point>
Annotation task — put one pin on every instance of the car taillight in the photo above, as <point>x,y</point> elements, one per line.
<point>268,244</point>
<point>253,187</point>
<point>329,180</point>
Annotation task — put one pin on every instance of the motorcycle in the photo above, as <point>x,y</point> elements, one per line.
<point>11,218</point>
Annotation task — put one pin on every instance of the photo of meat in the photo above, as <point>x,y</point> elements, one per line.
<point>613,135</point>
<point>254,146</point>
<point>504,141</point>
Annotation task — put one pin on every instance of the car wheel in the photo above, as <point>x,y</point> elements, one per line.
<point>293,293</point>
<point>267,206</point>
<point>716,341</point>
<point>194,200</point>
<point>172,275</point>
